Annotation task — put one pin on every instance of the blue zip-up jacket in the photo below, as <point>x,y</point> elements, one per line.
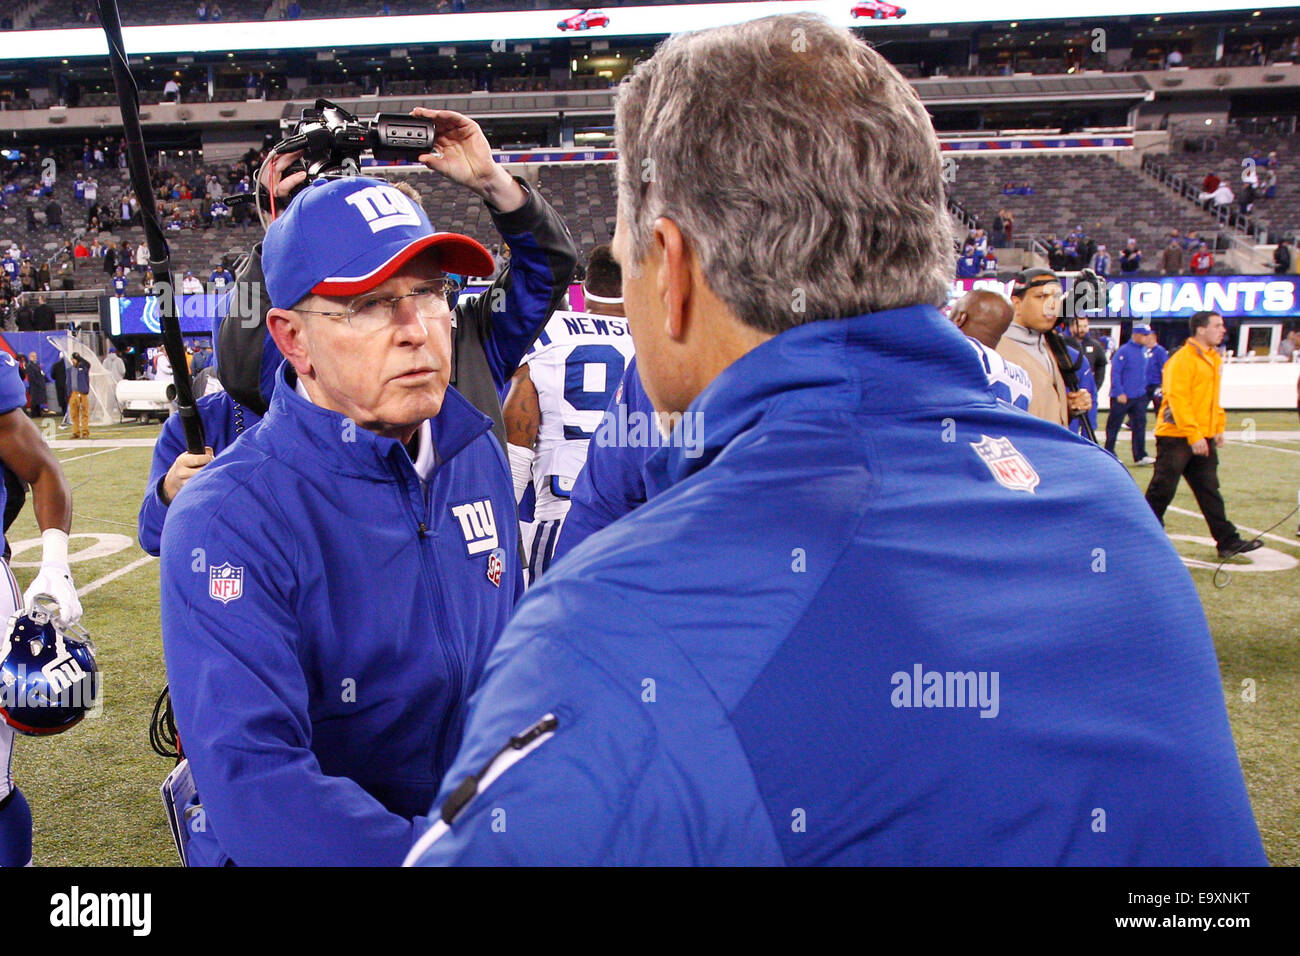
<point>324,619</point>
<point>224,420</point>
<point>1128,371</point>
<point>611,482</point>
<point>1155,359</point>
<point>731,671</point>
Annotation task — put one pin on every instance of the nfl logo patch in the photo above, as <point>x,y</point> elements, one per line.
<point>225,582</point>
<point>1010,468</point>
<point>495,566</point>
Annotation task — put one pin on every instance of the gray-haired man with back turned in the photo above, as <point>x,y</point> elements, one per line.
<point>829,638</point>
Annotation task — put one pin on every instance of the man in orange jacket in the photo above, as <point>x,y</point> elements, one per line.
<point>1189,430</point>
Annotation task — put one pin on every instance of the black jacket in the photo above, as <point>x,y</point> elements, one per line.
<point>1095,353</point>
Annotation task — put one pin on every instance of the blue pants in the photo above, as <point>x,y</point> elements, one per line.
<point>1135,409</point>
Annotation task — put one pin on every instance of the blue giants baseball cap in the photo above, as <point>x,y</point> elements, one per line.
<point>1141,330</point>
<point>341,237</point>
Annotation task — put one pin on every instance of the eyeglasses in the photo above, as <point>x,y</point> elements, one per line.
<point>372,313</point>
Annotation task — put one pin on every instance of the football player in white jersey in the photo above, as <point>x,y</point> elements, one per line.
<point>557,400</point>
<point>983,316</point>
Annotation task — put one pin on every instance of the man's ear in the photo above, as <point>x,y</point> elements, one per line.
<point>289,334</point>
<point>959,319</point>
<point>674,276</point>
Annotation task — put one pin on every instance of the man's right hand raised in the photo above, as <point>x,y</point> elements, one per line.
<point>185,467</point>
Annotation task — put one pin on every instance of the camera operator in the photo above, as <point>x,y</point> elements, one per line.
<point>1036,301</point>
<point>491,333</point>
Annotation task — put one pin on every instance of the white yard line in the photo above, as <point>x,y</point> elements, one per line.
<point>1293,542</point>
<point>1255,444</point>
<point>102,451</point>
<point>114,575</point>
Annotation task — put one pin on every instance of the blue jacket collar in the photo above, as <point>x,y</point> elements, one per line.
<point>348,449</point>
<point>887,362</point>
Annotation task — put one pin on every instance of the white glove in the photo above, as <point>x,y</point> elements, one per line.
<point>54,580</point>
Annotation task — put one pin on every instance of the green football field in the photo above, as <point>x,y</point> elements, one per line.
<point>104,776</point>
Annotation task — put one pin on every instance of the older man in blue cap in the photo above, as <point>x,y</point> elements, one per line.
<point>317,729</point>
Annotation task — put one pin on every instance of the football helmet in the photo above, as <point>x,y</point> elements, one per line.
<point>48,677</point>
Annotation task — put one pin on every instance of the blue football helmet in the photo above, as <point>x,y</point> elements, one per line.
<point>48,676</point>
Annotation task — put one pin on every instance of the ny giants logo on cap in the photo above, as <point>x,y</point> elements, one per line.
<point>384,207</point>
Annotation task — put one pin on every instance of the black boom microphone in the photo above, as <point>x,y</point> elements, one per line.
<point>128,97</point>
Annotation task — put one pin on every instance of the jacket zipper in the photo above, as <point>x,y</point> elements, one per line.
<point>428,568</point>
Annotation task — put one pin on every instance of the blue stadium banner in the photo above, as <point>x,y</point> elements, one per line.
<point>1256,297</point>
<point>142,314</point>
<point>1174,297</point>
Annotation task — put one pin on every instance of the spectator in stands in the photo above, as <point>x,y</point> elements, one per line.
<point>990,263</point>
<point>214,14</point>
<point>219,212</point>
<point>80,251</point>
<point>221,279</point>
<point>79,189</point>
<point>293,11</point>
<point>1191,241</point>
<point>1202,260</point>
<point>1210,184</point>
<point>191,284</point>
<point>32,224</point>
<point>1101,262</point>
<point>1268,182</point>
<point>1246,202</point>
<point>202,11</point>
<point>119,283</point>
<point>1282,257</point>
<point>970,263</point>
<point>1173,59</point>
<point>142,257</point>
<point>171,91</point>
<point>1171,260</point>
<point>1223,196</point>
<point>96,248</point>
<point>54,215</point>
<point>1130,257</point>
<point>1055,255</point>
<point>90,190</point>
<point>999,231</point>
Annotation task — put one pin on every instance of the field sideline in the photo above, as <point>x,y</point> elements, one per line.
<point>94,790</point>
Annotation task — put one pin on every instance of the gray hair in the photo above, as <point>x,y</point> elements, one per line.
<point>797,162</point>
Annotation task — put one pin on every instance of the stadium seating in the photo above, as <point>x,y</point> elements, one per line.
<point>1111,202</point>
<point>1223,155</point>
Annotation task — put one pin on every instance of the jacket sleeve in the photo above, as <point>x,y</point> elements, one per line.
<point>1176,383</point>
<point>559,799</point>
<point>240,695</point>
<point>153,512</point>
<point>513,310</point>
<point>1117,366</point>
